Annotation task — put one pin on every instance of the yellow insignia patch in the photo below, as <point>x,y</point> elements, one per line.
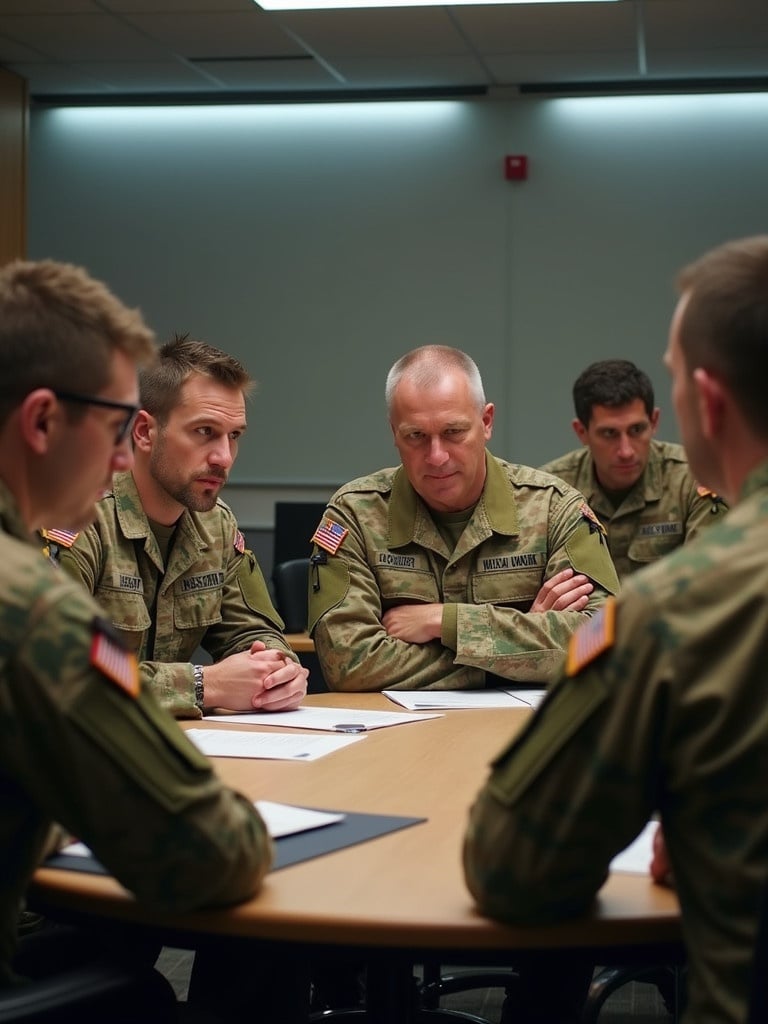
<point>592,639</point>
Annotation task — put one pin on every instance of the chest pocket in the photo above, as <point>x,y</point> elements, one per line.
<point>396,584</point>
<point>127,612</point>
<point>196,609</point>
<point>643,550</point>
<point>514,588</point>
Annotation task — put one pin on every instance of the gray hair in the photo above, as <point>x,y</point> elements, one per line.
<point>426,366</point>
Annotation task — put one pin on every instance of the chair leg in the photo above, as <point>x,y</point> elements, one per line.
<point>608,980</point>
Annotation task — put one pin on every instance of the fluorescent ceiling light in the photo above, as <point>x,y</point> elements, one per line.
<point>337,5</point>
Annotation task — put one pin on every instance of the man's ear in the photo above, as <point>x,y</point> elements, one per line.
<point>580,431</point>
<point>711,401</point>
<point>39,416</point>
<point>144,431</point>
<point>653,419</point>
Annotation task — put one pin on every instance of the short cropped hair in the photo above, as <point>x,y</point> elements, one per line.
<point>612,383</point>
<point>59,328</point>
<point>426,366</point>
<point>724,325</point>
<point>160,384</point>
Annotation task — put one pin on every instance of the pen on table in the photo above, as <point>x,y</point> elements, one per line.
<point>350,727</point>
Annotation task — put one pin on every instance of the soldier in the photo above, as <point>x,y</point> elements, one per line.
<point>165,557</point>
<point>641,489</point>
<point>456,568</point>
<point>84,743</point>
<point>662,707</point>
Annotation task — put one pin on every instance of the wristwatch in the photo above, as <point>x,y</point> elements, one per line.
<point>199,686</point>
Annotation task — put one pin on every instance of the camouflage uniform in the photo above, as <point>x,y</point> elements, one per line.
<point>526,527</point>
<point>211,593</point>
<point>663,509</point>
<point>112,768</point>
<point>670,717</point>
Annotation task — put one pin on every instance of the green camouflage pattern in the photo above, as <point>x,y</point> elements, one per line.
<point>211,594</point>
<point>672,719</point>
<point>662,511</point>
<point>526,527</point>
<point>115,771</point>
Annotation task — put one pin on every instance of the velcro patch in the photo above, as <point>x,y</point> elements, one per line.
<point>592,639</point>
<point>117,664</point>
<point>329,536</point>
<point>64,538</point>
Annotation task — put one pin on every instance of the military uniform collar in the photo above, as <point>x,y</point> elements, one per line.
<point>757,480</point>
<point>11,521</point>
<point>409,518</point>
<point>134,523</point>
<point>649,487</point>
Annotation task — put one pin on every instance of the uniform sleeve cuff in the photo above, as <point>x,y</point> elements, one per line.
<point>450,627</point>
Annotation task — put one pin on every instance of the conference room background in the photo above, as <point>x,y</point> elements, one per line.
<point>318,242</point>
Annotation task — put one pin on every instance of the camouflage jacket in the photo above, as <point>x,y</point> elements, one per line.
<point>663,509</point>
<point>211,594</point>
<point>108,764</point>
<point>669,717</point>
<point>526,527</point>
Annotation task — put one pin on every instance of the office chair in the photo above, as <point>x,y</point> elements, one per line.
<point>92,995</point>
<point>291,581</point>
<point>668,979</point>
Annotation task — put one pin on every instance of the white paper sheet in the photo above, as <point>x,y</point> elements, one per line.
<point>327,719</point>
<point>280,819</point>
<point>273,746</point>
<point>636,859</point>
<point>286,820</point>
<point>443,700</point>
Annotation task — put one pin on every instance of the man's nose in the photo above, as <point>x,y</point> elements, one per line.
<point>437,454</point>
<point>626,450</point>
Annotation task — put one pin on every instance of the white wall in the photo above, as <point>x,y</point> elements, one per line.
<point>320,242</point>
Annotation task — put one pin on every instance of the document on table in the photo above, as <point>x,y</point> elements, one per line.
<point>349,720</point>
<point>280,819</point>
<point>286,820</point>
<point>273,746</point>
<point>444,700</point>
<point>636,858</point>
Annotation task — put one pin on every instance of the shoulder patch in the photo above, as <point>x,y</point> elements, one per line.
<point>64,538</point>
<point>329,536</point>
<point>592,639</point>
<point>595,526</point>
<point>239,542</point>
<point>112,660</point>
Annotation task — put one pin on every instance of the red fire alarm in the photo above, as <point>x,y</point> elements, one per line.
<point>516,168</point>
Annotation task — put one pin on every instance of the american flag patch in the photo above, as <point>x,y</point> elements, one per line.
<point>329,536</point>
<point>239,542</point>
<point>63,537</point>
<point>115,663</point>
<point>591,639</point>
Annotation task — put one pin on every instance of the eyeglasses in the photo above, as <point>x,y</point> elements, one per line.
<point>131,411</point>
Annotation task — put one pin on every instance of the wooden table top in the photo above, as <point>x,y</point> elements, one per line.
<point>402,889</point>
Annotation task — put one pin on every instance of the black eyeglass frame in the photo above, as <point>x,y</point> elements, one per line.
<point>131,411</point>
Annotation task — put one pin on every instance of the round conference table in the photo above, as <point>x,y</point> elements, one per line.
<point>398,899</point>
